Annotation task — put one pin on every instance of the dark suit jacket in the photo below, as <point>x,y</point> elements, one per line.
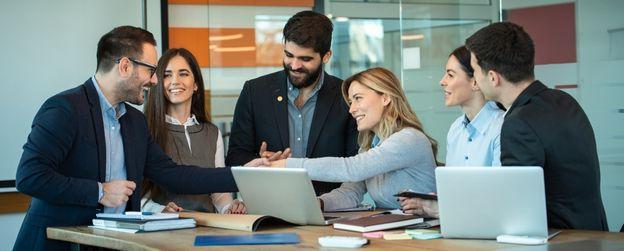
<point>64,158</point>
<point>260,116</point>
<point>548,128</point>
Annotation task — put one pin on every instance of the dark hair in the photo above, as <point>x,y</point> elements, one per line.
<point>123,41</point>
<point>505,48</point>
<point>310,30</point>
<point>157,103</point>
<point>463,56</point>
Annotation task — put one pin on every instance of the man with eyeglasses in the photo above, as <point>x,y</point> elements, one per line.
<point>88,151</point>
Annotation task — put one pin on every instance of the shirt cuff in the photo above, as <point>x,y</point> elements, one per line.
<point>151,206</point>
<point>100,192</point>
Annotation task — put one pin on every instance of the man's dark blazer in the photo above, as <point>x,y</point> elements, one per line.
<point>65,156</point>
<point>261,114</point>
<point>548,128</point>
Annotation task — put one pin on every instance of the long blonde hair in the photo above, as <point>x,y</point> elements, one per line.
<point>396,116</point>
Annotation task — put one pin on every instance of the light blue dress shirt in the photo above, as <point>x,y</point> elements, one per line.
<point>476,142</point>
<point>300,120</point>
<point>115,159</point>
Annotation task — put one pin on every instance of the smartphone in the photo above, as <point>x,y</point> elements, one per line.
<point>410,194</point>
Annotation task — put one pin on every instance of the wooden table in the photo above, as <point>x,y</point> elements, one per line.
<point>184,239</point>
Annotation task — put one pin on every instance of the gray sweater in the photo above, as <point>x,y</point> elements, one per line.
<point>402,161</point>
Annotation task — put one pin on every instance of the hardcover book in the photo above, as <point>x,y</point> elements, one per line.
<point>378,222</point>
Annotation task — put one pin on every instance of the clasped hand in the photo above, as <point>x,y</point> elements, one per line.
<point>117,192</point>
<point>268,158</point>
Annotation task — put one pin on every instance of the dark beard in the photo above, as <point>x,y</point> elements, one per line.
<point>310,78</point>
<point>129,92</point>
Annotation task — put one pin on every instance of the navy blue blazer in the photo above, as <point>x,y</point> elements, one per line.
<point>65,156</point>
<point>261,116</point>
<point>548,128</point>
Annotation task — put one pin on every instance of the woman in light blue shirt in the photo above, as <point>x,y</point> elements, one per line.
<point>474,137</point>
<point>395,153</point>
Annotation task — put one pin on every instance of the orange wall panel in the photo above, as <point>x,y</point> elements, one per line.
<point>239,52</point>
<point>290,3</point>
<point>226,47</point>
<point>193,39</point>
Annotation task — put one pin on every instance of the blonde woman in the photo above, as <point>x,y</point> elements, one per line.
<point>395,153</point>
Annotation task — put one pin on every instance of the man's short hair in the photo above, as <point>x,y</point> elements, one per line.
<point>123,41</point>
<point>505,48</point>
<point>310,30</point>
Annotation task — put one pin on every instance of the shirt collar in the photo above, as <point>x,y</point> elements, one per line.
<point>189,122</point>
<point>483,118</point>
<point>292,89</point>
<point>375,142</point>
<point>106,107</point>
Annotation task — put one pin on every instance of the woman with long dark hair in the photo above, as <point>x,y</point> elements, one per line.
<point>177,121</point>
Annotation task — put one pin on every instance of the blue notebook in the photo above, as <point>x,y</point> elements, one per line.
<point>248,239</point>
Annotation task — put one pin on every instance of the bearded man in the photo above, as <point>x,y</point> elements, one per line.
<point>297,112</point>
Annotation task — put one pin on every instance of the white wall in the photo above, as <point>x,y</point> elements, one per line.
<point>600,93</point>
<point>10,227</point>
<point>47,47</point>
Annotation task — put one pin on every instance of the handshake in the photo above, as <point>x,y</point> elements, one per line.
<point>270,159</point>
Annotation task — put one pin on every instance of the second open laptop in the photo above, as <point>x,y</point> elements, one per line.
<point>485,202</point>
<point>285,193</point>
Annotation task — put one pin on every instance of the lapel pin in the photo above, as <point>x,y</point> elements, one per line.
<point>279,98</point>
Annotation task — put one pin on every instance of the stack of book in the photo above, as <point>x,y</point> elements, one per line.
<point>133,222</point>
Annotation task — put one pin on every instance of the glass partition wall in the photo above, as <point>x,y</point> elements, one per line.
<point>413,39</point>
<point>578,50</point>
<point>233,41</point>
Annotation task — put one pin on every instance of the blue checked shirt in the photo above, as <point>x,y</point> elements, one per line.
<point>300,120</point>
<point>115,165</point>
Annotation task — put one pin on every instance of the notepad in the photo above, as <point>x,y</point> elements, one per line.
<point>137,216</point>
<point>247,239</point>
<point>145,225</point>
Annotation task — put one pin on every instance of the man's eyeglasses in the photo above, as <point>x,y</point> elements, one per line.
<point>150,67</point>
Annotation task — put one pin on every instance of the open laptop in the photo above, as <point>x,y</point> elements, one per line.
<point>285,193</point>
<point>485,202</point>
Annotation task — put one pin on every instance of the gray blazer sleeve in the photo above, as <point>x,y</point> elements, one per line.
<point>405,148</point>
<point>348,195</point>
